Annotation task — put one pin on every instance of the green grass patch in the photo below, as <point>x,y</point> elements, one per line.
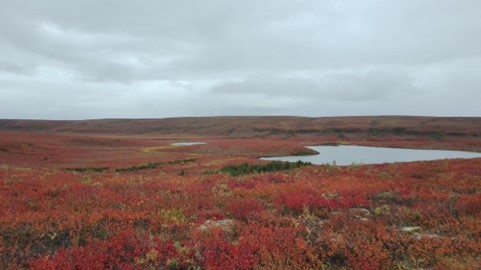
<point>154,165</point>
<point>150,165</point>
<point>180,161</point>
<point>246,168</point>
<point>84,170</point>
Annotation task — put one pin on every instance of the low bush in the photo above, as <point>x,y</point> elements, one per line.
<point>246,168</point>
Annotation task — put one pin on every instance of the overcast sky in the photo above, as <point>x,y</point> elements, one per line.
<point>63,59</point>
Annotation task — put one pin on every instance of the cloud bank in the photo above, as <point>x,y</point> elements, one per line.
<point>112,58</point>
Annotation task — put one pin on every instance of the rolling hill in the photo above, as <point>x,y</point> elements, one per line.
<point>257,126</point>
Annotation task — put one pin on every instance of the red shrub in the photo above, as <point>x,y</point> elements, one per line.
<point>217,252</point>
<point>245,209</point>
<point>123,251</point>
<point>469,204</point>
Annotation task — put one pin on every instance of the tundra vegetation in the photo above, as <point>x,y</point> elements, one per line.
<point>216,206</point>
<point>402,216</point>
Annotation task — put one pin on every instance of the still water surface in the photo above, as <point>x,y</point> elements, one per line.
<point>187,143</point>
<point>347,155</point>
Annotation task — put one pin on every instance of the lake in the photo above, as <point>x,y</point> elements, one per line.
<point>187,143</point>
<point>348,154</point>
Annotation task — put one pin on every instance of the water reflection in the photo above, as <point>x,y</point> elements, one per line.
<point>187,143</point>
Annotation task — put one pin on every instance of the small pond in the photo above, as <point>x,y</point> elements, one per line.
<point>347,155</point>
<point>187,143</point>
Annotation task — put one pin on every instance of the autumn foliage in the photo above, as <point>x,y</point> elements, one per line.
<point>80,202</point>
<point>393,216</point>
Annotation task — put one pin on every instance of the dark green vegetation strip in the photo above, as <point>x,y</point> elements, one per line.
<point>82,170</point>
<point>153,165</point>
<point>180,161</point>
<point>245,168</point>
<point>150,165</point>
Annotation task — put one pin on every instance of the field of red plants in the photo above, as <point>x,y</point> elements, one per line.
<point>368,217</point>
<point>76,202</point>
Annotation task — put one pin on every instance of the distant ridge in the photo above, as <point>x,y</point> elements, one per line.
<point>253,126</point>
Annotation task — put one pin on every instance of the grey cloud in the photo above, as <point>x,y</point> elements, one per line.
<point>16,68</point>
<point>220,36</point>
<point>268,86</point>
<point>304,57</point>
<point>377,84</point>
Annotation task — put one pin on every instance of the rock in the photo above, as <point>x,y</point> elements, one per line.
<point>361,213</point>
<point>426,235</point>
<point>225,224</point>
<point>410,229</point>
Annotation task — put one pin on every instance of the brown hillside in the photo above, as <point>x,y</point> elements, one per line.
<point>257,126</point>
